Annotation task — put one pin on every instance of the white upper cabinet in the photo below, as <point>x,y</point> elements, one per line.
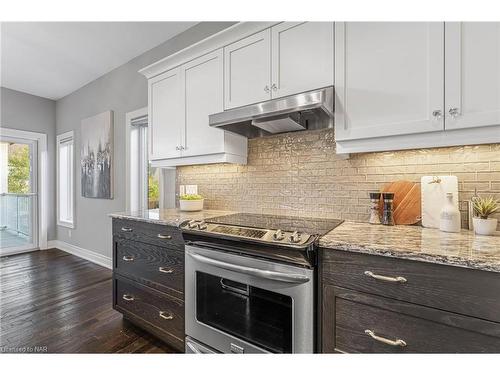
<point>302,57</point>
<point>203,89</point>
<point>247,72</point>
<point>180,101</point>
<point>166,115</point>
<point>388,78</point>
<point>288,58</point>
<point>472,74</point>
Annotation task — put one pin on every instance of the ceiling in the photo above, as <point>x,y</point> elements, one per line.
<point>53,59</point>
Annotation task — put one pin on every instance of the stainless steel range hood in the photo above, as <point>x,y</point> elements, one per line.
<point>306,111</point>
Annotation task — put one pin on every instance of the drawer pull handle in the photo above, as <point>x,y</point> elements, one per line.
<point>128,297</point>
<point>165,270</point>
<point>164,236</point>
<point>397,342</point>
<point>165,315</point>
<point>397,279</point>
<point>128,258</point>
<point>127,229</point>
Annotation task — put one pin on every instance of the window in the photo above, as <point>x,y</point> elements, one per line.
<point>65,180</point>
<point>148,187</point>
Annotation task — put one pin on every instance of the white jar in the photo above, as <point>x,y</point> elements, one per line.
<point>450,216</point>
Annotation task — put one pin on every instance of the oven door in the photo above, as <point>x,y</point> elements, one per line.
<point>239,304</point>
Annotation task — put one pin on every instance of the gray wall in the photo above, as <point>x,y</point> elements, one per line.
<point>32,113</point>
<point>122,90</point>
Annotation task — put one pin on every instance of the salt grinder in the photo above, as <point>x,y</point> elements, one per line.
<point>374,203</point>
<point>387,217</point>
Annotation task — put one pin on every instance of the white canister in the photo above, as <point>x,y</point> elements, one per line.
<point>449,219</point>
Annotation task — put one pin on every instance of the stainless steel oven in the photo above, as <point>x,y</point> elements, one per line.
<point>241,304</point>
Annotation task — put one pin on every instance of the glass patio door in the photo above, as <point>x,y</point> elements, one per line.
<point>18,195</point>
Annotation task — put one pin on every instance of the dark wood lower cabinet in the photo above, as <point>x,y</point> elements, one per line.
<point>383,320</point>
<point>160,314</point>
<point>148,278</point>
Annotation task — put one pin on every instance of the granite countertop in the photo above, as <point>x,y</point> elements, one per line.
<point>463,249</point>
<point>171,216</point>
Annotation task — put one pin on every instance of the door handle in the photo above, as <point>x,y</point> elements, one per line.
<point>263,274</point>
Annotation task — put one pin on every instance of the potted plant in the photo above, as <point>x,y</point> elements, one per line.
<point>191,202</point>
<point>484,208</point>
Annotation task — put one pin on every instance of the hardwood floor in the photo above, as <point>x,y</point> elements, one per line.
<point>54,302</point>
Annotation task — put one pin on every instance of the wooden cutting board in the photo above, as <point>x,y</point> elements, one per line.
<point>407,201</point>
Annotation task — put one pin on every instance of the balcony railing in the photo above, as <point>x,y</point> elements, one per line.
<point>16,213</point>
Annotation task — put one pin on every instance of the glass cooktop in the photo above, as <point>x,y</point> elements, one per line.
<point>307,225</point>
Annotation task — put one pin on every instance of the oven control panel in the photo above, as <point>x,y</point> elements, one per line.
<point>276,236</point>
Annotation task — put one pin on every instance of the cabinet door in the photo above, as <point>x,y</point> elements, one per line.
<point>202,80</point>
<point>302,57</point>
<point>389,78</point>
<point>247,70</point>
<point>166,112</point>
<point>472,74</point>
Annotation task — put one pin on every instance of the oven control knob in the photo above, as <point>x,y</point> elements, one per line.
<point>278,235</point>
<point>202,225</point>
<point>295,237</point>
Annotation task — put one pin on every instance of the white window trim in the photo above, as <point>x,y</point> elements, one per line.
<point>59,138</point>
<point>167,175</point>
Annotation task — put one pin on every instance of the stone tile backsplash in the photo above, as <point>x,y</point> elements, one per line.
<point>300,174</point>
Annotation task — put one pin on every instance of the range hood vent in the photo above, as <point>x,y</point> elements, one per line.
<point>306,111</point>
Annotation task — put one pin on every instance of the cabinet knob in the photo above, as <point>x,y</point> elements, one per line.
<point>454,112</point>
<point>438,114</point>
<point>128,258</point>
<point>274,87</point>
<point>164,236</point>
<point>178,148</point>
<point>391,279</point>
<point>266,89</point>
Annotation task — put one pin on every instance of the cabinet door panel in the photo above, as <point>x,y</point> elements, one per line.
<point>472,74</point>
<point>389,78</point>
<point>302,57</point>
<point>166,115</point>
<point>203,84</point>
<point>247,70</point>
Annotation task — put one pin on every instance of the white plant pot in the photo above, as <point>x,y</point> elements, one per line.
<point>485,227</point>
<point>191,205</point>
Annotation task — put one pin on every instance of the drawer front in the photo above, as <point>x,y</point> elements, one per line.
<point>461,290</point>
<point>154,234</point>
<point>159,266</point>
<point>161,311</point>
<point>365,323</point>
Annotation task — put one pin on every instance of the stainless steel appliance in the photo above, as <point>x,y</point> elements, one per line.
<point>251,283</point>
<point>305,111</point>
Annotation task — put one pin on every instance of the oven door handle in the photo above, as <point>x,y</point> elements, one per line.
<point>264,274</point>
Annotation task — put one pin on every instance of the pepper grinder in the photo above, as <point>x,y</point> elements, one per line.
<point>388,217</point>
<point>374,213</point>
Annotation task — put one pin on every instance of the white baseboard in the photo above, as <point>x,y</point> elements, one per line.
<point>86,254</point>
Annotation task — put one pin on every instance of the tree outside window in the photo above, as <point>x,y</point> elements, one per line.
<point>19,169</point>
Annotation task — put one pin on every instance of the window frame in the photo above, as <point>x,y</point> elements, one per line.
<point>60,140</point>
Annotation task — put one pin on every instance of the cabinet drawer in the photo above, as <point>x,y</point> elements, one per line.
<point>365,323</point>
<point>158,266</point>
<point>163,314</point>
<point>155,234</point>
<point>465,291</point>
